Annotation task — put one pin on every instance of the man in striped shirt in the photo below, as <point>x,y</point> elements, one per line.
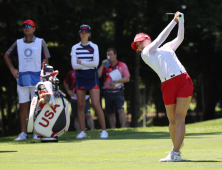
<point>31,52</point>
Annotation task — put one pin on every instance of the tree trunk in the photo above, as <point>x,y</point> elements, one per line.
<point>2,105</point>
<point>9,105</point>
<point>210,97</point>
<point>135,99</point>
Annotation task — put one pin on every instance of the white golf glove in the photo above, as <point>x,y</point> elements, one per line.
<point>180,17</point>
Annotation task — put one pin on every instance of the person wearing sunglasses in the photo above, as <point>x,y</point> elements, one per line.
<point>85,59</point>
<point>31,52</point>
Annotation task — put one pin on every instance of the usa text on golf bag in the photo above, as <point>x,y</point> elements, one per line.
<point>49,113</point>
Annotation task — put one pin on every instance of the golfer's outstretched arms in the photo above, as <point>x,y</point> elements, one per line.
<point>179,39</point>
<point>161,38</point>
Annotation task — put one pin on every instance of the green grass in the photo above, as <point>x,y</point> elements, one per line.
<point>139,148</point>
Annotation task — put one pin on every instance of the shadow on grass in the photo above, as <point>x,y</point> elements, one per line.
<point>117,134</point>
<point>121,134</point>
<point>199,135</point>
<point>184,160</point>
<point>131,134</point>
<point>7,151</point>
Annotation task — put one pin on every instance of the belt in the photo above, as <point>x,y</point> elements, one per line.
<point>112,90</point>
<point>172,75</point>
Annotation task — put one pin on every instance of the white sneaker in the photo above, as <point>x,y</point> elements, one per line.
<point>21,136</point>
<point>35,136</point>
<point>104,134</point>
<point>81,135</point>
<point>172,157</point>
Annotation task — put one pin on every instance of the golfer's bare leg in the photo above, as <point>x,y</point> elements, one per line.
<point>182,105</point>
<point>122,117</point>
<point>80,107</point>
<point>95,99</point>
<point>112,120</point>
<point>24,114</point>
<point>170,109</point>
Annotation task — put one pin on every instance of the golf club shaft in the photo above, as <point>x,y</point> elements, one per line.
<point>173,14</point>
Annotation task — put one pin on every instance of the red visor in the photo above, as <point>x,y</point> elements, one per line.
<point>139,37</point>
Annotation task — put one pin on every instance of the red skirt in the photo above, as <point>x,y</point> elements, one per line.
<point>179,86</point>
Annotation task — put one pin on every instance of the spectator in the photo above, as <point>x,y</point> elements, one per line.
<point>85,59</point>
<point>31,52</point>
<point>71,77</point>
<point>113,89</point>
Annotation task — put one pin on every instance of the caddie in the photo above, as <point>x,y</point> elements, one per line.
<point>31,52</point>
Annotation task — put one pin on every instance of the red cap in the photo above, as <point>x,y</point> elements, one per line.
<point>139,37</point>
<point>29,22</point>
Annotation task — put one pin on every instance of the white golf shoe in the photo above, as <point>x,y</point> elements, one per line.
<point>21,136</point>
<point>35,136</point>
<point>104,134</point>
<point>81,135</point>
<point>172,157</point>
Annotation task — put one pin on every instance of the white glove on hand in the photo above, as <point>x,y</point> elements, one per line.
<point>180,17</point>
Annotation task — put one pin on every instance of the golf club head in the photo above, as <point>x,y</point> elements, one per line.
<point>165,17</point>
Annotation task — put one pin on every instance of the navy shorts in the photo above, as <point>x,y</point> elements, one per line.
<point>114,101</point>
<point>87,79</point>
<point>74,107</point>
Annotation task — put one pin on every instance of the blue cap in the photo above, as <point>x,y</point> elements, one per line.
<point>85,28</point>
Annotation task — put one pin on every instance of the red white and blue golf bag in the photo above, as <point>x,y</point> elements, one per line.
<point>49,114</point>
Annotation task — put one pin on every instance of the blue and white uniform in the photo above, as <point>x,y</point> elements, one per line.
<point>30,56</point>
<point>87,75</point>
<point>29,60</point>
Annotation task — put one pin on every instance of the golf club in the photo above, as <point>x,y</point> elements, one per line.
<point>165,16</point>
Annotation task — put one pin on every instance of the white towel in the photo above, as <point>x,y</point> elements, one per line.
<point>49,88</point>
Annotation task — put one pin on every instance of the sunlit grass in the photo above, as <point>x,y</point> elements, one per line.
<point>126,148</point>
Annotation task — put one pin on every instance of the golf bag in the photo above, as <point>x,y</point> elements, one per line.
<point>49,114</point>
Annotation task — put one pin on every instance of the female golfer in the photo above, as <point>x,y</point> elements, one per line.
<point>176,86</point>
<point>85,59</point>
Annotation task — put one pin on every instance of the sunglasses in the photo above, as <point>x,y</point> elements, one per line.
<point>27,26</point>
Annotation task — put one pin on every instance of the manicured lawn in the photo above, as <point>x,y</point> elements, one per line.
<point>139,148</point>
